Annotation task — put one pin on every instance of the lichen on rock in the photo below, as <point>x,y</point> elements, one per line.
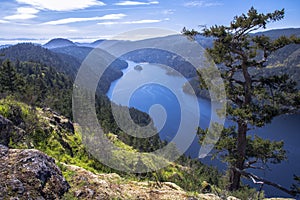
<point>29,174</point>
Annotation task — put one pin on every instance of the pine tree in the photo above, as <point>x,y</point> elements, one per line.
<point>253,100</point>
<point>10,81</point>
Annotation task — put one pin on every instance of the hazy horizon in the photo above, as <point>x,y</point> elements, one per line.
<point>39,21</point>
<point>43,41</point>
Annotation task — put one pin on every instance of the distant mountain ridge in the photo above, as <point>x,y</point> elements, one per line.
<point>273,33</point>
<point>92,44</point>
<point>285,60</point>
<point>66,56</point>
<point>58,42</point>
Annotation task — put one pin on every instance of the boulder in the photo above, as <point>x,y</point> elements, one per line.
<point>29,174</point>
<point>5,127</point>
<point>59,120</point>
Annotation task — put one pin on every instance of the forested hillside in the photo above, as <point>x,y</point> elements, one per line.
<point>32,97</point>
<point>36,53</point>
<point>42,86</point>
<point>63,60</point>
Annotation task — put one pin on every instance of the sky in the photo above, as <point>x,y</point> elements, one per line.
<point>89,20</point>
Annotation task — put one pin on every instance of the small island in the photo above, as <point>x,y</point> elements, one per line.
<point>138,68</point>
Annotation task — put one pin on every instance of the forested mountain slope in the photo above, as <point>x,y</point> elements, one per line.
<point>65,60</point>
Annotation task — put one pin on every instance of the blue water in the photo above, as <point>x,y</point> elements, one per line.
<point>144,96</point>
<point>150,93</point>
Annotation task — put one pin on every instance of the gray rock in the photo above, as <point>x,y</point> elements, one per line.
<point>8,131</point>
<point>5,127</point>
<point>59,120</point>
<point>29,174</point>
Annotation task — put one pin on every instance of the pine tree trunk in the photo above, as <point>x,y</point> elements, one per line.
<point>235,176</point>
<point>234,180</point>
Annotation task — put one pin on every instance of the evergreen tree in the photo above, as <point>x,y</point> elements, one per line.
<point>10,81</point>
<point>253,100</point>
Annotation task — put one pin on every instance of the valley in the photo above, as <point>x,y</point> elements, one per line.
<point>36,113</point>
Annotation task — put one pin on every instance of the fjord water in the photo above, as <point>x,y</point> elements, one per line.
<point>167,116</point>
<point>285,127</point>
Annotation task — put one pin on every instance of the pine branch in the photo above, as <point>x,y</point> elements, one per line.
<point>259,180</point>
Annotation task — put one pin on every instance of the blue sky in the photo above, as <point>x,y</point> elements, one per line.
<point>89,20</point>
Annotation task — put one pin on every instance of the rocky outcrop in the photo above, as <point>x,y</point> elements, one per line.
<point>29,174</point>
<point>57,120</point>
<point>5,127</point>
<point>87,185</point>
<point>8,131</point>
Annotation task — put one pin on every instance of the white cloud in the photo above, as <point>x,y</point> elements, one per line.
<point>3,21</point>
<point>202,4</point>
<point>27,10</point>
<point>61,5</point>
<point>73,30</point>
<point>23,13</point>
<point>20,16</point>
<point>73,20</point>
<point>135,3</point>
<point>144,21</point>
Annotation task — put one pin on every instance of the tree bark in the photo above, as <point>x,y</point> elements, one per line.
<point>247,84</point>
<point>235,175</point>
